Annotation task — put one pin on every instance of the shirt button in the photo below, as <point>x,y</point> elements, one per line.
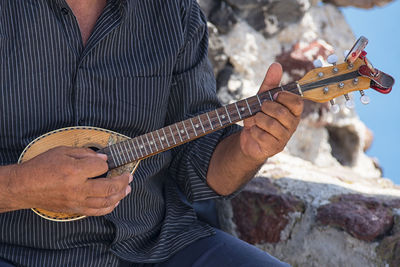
<point>65,11</point>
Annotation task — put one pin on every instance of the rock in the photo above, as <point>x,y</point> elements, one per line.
<point>209,6</point>
<point>269,17</point>
<point>248,4</point>
<point>345,143</point>
<point>299,59</point>
<point>322,201</point>
<point>223,17</point>
<point>366,218</point>
<point>216,53</point>
<point>359,3</point>
<point>369,138</point>
<point>261,213</point>
<point>230,85</point>
<point>389,250</point>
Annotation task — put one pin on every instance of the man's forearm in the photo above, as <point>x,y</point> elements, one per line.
<point>229,168</point>
<point>7,198</point>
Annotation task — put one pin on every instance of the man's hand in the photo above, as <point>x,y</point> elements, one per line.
<point>238,157</point>
<point>267,133</point>
<point>59,180</point>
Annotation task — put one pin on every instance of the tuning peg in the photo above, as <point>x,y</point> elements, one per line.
<point>317,63</point>
<point>349,102</point>
<point>332,59</point>
<point>364,98</point>
<point>335,107</point>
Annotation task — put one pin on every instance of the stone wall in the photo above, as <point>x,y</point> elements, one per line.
<point>322,201</point>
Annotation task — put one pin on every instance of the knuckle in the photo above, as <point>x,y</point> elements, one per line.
<point>254,130</point>
<point>112,189</point>
<point>281,111</point>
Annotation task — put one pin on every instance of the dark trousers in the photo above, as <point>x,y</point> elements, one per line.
<point>220,250</point>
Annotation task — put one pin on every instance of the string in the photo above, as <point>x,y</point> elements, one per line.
<point>124,152</point>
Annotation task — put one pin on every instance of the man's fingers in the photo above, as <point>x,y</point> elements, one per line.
<point>98,206</point>
<point>278,112</point>
<point>292,102</point>
<point>265,140</point>
<point>90,166</point>
<point>271,126</point>
<point>106,202</point>
<point>105,187</point>
<point>272,78</point>
<point>79,153</point>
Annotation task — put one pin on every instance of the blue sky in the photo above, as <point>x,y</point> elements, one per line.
<point>382,27</point>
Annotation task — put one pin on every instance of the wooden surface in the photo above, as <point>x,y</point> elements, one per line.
<point>79,136</point>
<point>318,95</point>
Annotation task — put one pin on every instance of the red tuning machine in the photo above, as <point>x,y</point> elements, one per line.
<point>380,81</point>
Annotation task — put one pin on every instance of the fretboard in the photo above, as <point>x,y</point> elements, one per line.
<point>152,143</point>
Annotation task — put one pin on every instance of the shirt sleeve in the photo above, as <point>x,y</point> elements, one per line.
<point>193,91</point>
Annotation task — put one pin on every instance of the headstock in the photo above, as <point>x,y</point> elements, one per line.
<point>323,84</point>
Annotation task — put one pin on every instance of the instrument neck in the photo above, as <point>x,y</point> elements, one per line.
<point>163,139</point>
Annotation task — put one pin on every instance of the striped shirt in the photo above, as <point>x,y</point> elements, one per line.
<point>144,66</point>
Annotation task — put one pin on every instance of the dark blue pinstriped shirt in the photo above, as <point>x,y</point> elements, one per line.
<point>145,66</point>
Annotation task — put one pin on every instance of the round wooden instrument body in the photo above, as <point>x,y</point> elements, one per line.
<point>79,136</point>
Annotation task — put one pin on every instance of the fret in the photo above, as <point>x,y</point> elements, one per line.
<point>114,155</point>
<point>119,153</point>
<point>127,155</point>
<point>138,146</point>
<point>184,126</point>
<point>240,116</point>
<point>194,129</point>
<point>162,145</point>
<point>154,140</point>
<point>134,148</point>
<point>216,112</point>
<point>165,136</point>
<point>259,101</point>
<point>144,145</point>
<point>227,113</point>
<point>251,113</point>
<point>202,126</point>
<point>148,142</point>
<point>281,87</point>
<point>270,96</point>
<point>176,126</point>
<point>210,121</point>
<point>172,133</point>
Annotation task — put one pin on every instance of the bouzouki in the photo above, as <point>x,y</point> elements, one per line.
<point>321,84</point>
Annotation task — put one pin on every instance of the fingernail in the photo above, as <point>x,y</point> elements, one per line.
<point>103,156</point>
<point>117,204</point>
<point>275,95</point>
<point>130,178</point>
<point>128,190</point>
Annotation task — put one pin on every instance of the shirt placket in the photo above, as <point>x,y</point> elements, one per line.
<point>110,18</point>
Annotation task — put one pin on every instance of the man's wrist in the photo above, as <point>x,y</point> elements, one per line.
<point>11,198</point>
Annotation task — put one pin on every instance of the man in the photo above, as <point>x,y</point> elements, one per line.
<point>130,66</point>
